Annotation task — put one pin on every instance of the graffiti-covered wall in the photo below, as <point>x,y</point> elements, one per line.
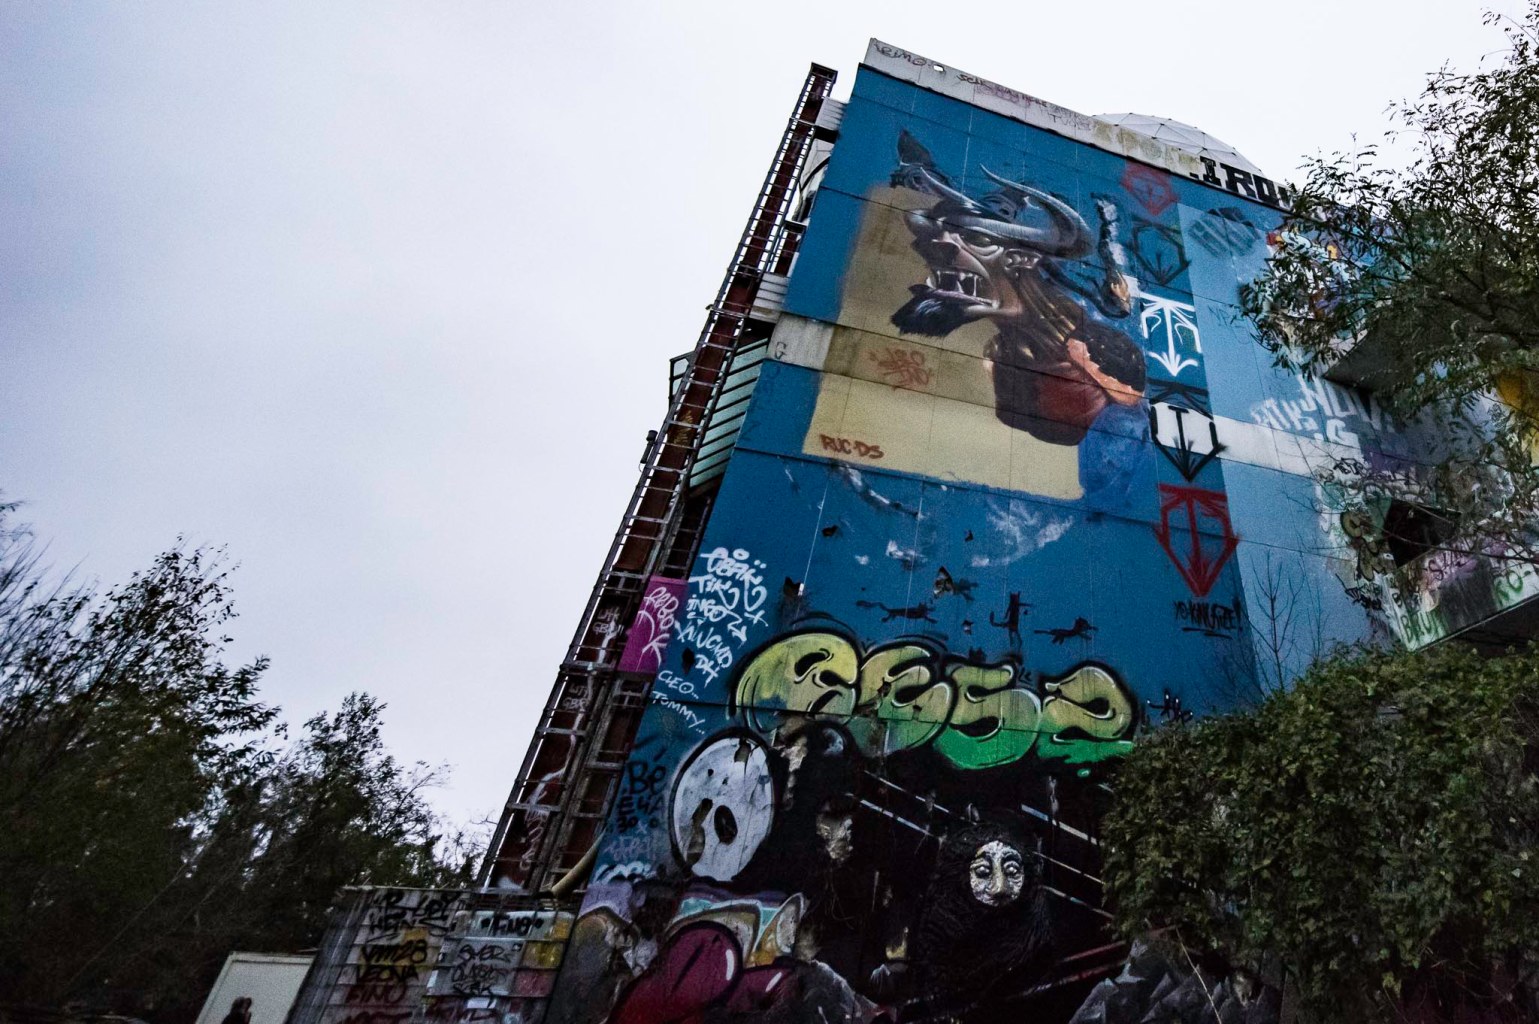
<point>1015,485</point>
<point>393,956</point>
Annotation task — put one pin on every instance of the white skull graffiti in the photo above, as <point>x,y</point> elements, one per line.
<point>723,806</point>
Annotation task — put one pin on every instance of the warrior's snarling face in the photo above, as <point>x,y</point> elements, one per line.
<point>966,282</point>
<point>1014,258</point>
<point>979,267</point>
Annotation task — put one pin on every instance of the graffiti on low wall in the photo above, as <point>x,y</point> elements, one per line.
<point>502,955</point>
<point>385,965</point>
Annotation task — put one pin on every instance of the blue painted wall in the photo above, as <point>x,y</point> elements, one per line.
<point>924,626</point>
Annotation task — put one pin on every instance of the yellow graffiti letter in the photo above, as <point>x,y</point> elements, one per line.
<point>809,673</point>
<point>1087,716</point>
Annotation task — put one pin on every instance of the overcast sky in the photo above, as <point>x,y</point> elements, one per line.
<point>380,295</point>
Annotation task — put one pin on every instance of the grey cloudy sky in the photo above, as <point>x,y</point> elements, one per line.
<point>380,295</point>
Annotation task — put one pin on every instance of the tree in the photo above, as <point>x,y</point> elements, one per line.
<point>119,728</point>
<point>1375,829</point>
<point>1421,281</point>
<point>150,819</point>
<point>335,809</point>
<point>339,811</point>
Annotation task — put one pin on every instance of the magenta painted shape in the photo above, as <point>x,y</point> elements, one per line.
<point>647,641</point>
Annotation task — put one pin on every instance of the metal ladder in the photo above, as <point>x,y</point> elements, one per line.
<point>571,769</point>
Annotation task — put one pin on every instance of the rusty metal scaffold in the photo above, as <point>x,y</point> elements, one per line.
<point>549,828</point>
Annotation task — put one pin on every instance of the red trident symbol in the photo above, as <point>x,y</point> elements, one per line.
<point>1205,553</point>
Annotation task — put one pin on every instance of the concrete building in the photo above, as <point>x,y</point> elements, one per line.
<point>975,473</point>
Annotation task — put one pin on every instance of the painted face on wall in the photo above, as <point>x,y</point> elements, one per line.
<point>723,807</point>
<point>997,874</point>
<point>836,831</point>
<point>1015,258</point>
<point>970,277</point>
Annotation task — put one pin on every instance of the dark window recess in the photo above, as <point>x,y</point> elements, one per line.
<point>1412,530</point>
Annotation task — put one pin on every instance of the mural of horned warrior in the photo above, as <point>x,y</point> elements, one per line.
<point>1009,258</point>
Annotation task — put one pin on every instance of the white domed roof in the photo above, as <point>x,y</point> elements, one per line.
<point>1182,136</point>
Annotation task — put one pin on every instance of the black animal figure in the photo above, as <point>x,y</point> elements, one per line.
<point>1081,629</point>
<point>919,612</point>
<point>1012,621</point>
<point>945,583</point>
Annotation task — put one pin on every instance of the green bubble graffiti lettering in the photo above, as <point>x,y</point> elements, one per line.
<point>994,722</point>
<point>810,673</point>
<point>1086,716</point>
<point>912,701</point>
<point>906,695</point>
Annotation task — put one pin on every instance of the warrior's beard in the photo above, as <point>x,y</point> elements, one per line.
<point>932,318</point>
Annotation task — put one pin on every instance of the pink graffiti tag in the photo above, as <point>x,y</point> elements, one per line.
<point>648,639</point>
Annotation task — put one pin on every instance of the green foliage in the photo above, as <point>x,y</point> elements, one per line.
<point>150,821</point>
<point>1425,277</point>
<point>339,810</point>
<point>1437,261</point>
<point>1376,829</point>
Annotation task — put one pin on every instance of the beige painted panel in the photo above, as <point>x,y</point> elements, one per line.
<point>909,431</point>
<point>884,266</point>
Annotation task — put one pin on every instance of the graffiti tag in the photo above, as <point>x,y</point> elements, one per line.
<point>847,446</point>
<point>724,600</point>
<point>695,722</point>
<point>909,694</point>
<point>1209,618</point>
<point>654,626</point>
<point>1323,410</point>
<point>903,368</point>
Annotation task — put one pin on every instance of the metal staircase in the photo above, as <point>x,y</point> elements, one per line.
<point>569,774</point>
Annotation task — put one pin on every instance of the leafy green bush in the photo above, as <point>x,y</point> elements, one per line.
<point>1373,829</point>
